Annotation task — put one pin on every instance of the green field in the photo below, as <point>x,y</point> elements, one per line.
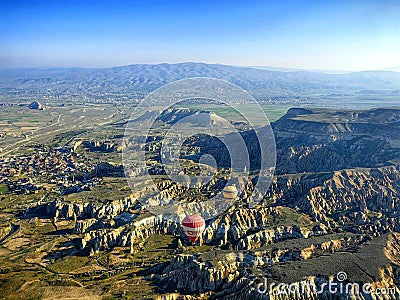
<point>3,188</point>
<point>251,111</point>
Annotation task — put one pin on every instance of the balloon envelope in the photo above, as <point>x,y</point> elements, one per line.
<point>230,192</point>
<point>193,226</point>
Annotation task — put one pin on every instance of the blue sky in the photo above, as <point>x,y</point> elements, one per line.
<point>335,35</point>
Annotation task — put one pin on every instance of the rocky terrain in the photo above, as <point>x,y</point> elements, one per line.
<point>333,206</point>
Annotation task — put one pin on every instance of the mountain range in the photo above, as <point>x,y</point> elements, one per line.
<point>143,78</point>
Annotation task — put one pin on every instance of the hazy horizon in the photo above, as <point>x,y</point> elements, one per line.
<point>268,68</point>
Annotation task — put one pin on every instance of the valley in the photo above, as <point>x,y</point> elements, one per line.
<point>332,206</point>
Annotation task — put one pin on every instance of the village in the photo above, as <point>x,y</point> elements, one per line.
<point>47,168</point>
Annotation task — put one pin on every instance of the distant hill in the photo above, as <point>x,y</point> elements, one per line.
<point>321,140</point>
<point>145,77</point>
<point>183,116</point>
<point>286,69</point>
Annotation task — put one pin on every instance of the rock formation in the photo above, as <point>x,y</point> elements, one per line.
<point>36,105</point>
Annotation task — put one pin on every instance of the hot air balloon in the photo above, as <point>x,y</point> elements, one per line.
<point>193,226</point>
<point>230,192</point>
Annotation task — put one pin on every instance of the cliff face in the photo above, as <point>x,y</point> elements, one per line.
<point>227,276</point>
<point>348,198</point>
<point>318,140</point>
<point>4,231</point>
<point>60,209</point>
<point>363,200</point>
<point>134,232</point>
<point>392,251</point>
<point>188,273</point>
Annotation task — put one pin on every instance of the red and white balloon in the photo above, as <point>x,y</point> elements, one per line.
<point>193,226</point>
